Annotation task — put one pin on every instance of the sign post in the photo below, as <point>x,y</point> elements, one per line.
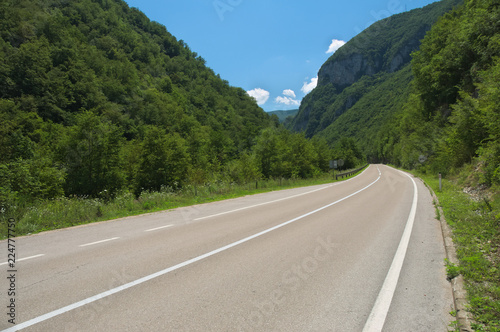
<point>336,164</point>
<point>340,163</point>
<point>333,166</point>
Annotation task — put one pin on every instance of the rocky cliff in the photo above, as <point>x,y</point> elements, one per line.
<point>348,69</point>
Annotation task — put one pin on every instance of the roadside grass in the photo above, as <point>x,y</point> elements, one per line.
<point>475,221</point>
<point>67,212</point>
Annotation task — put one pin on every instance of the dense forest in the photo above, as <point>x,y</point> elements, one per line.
<point>96,99</point>
<point>452,117</point>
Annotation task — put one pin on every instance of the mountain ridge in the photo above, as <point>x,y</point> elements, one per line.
<point>284,115</point>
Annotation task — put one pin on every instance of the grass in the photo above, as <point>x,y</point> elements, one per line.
<point>475,221</point>
<point>66,212</point>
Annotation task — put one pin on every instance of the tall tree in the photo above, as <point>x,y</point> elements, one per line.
<point>164,161</point>
<point>91,156</point>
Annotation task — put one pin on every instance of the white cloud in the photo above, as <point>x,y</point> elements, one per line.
<point>289,93</point>
<point>260,95</point>
<point>287,101</point>
<point>308,87</point>
<point>335,45</point>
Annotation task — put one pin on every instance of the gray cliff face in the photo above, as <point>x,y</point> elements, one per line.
<point>345,72</point>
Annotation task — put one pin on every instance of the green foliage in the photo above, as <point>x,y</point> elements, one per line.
<point>347,150</point>
<point>282,154</point>
<point>244,170</point>
<point>368,118</point>
<point>98,102</point>
<point>268,150</point>
<point>452,271</point>
<point>489,120</point>
<point>91,156</point>
<point>97,89</point>
<point>163,161</point>
<point>460,45</point>
<point>455,95</point>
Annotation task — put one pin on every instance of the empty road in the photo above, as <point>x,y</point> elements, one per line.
<point>364,254</point>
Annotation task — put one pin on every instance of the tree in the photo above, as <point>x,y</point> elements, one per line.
<point>91,157</point>
<point>266,150</point>
<point>245,169</point>
<point>323,154</point>
<point>301,156</point>
<point>163,162</point>
<point>30,65</point>
<point>347,150</point>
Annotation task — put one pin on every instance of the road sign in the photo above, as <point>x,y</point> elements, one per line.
<point>336,163</point>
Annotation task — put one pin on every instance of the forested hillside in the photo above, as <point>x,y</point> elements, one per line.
<point>96,99</point>
<point>367,80</point>
<point>452,116</point>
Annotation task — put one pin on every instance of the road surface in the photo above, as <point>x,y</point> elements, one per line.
<point>364,254</point>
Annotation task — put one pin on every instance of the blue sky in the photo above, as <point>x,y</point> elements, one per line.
<point>271,48</point>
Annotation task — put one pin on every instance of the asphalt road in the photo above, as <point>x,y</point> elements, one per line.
<point>363,254</point>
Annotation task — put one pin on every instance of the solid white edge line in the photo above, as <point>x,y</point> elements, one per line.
<point>23,259</point>
<point>278,200</point>
<point>379,312</point>
<point>98,242</point>
<point>158,228</point>
<point>170,269</point>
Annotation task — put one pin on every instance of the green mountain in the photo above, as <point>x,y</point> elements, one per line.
<point>452,114</point>
<point>367,80</point>
<point>95,97</point>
